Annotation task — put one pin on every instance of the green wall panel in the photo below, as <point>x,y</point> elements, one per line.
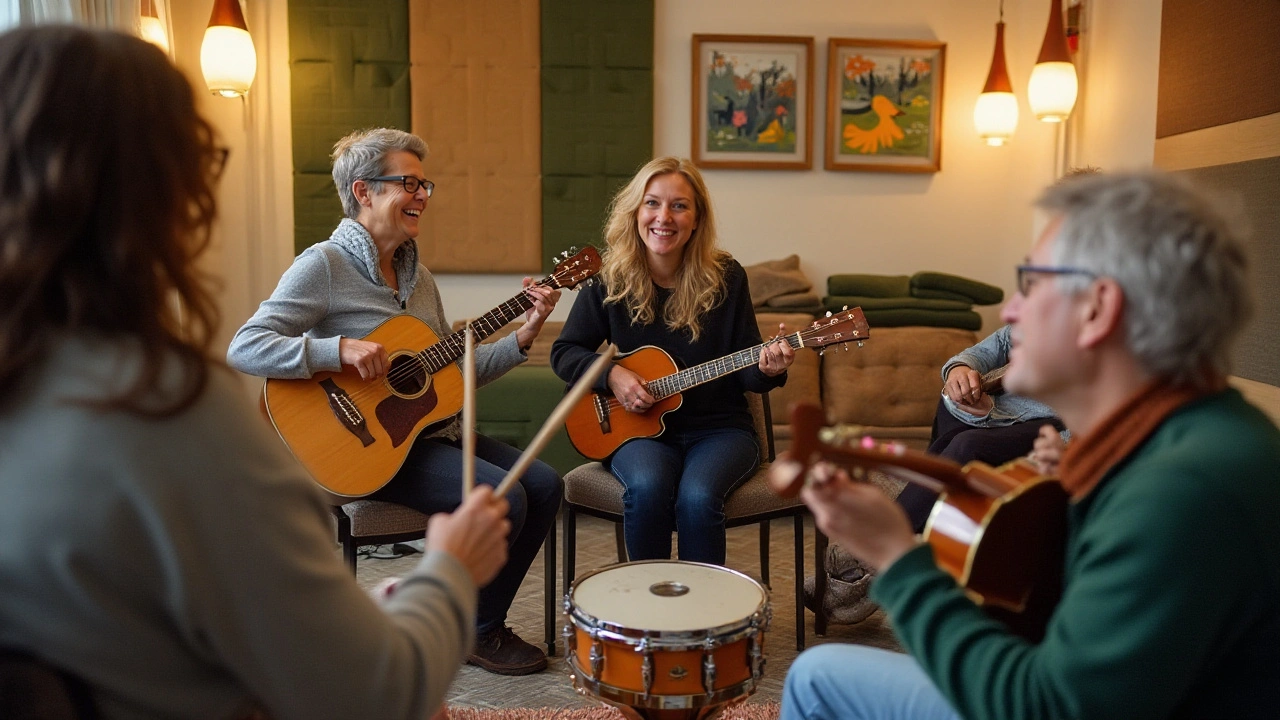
<point>597,111</point>
<point>349,67</point>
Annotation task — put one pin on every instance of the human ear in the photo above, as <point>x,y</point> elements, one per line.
<point>360,189</point>
<point>1102,311</point>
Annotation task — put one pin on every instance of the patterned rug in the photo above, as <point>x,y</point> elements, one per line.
<point>745,711</point>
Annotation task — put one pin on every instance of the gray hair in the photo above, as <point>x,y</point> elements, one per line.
<point>363,154</point>
<point>1176,257</point>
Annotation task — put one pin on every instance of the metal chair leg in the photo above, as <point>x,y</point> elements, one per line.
<point>621,539</point>
<point>764,553</point>
<point>798,520</point>
<point>549,590</point>
<point>820,582</point>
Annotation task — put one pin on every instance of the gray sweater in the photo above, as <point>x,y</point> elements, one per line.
<point>185,567</point>
<point>335,289</point>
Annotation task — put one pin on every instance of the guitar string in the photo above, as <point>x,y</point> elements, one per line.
<point>455,342</point>
<point>803,335</point>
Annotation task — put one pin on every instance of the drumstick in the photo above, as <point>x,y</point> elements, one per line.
<point>557,418</point>
<point>469,414</point>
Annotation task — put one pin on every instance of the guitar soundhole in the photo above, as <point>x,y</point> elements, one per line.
<point>407,376</point>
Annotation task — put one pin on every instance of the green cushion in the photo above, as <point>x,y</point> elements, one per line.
<point>963,319</point>
<point>894,303</point>
<point>513,408</point>
<point>980,292</point>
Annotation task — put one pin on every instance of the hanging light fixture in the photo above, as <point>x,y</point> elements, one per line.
<point>150,27</point>
<point>1053,87</point>
<point>995,116</point>
<point>227,56</point>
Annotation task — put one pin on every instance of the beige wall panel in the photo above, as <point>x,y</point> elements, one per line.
<point>475,100</point>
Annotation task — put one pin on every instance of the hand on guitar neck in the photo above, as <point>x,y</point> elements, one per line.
<point>971,391</point>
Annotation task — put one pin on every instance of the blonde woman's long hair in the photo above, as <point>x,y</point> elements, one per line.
<point>700,282</point>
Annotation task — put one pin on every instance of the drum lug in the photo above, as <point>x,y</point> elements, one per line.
<point>708,667</point>
<point>755,656</point>
<point>596,655</point>
<point>646,667</point>
<point>570,639</point>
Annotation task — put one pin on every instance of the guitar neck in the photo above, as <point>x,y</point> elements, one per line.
<point>706,372</point>
<point>452,347</point>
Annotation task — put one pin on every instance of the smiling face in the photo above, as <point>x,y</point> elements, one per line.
<point>667,218</point>
<point>391,215</point>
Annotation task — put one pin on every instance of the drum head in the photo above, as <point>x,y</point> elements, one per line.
<point>668,596</point>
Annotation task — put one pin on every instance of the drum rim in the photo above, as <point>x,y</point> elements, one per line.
<point>670,639</point>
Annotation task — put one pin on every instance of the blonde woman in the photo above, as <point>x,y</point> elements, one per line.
<point>666,283</point>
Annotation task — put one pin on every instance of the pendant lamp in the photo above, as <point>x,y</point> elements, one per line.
<point>995,116</point>
<point>227,56</point>
<point>1053,87</point>
<point>150,27</point>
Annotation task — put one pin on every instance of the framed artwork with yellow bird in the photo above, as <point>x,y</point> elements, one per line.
<point>753,102</point>
<point>884,105</point>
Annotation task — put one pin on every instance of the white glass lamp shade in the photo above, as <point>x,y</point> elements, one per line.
<point>151,30</point>
<point>228,60</point>
<point>995,117</point>
<point>1052,90</point>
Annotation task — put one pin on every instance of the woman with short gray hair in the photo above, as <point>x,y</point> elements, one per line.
<point>338,291</point>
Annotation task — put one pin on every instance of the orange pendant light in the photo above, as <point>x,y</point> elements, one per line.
<point>227,56</point>
<point>995,116</point>
<point>1053,87</point>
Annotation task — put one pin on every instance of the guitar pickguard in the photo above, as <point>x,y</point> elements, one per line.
<point>398,415</point>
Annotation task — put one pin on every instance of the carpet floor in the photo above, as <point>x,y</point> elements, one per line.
<point>552,688</point>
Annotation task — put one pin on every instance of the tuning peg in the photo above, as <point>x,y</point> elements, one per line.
<point>846,307</point>
<point>822,351</point>
<point>828,313</point>
<point>845,346</point>
<point>860,343</point>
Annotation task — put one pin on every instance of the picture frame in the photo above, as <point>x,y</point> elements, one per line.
<point>884,105</point>
<point>752,102</point>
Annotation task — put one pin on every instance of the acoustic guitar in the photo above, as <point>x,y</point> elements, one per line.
<point>351,434</point>
<point>1000,532</point>
<point>599,425</point>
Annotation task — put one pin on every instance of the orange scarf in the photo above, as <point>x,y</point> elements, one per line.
<point>1086,460</point>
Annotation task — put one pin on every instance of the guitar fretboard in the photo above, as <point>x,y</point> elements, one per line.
<point>452,347</point>
<point>680,381</point>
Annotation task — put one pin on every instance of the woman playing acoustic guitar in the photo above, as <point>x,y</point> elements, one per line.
<point>667,284</point>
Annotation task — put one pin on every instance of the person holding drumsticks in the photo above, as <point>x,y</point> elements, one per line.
<point>1123,323</point>
<point>666,283</point>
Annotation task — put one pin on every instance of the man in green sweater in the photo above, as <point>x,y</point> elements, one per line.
<point>1124,317</point>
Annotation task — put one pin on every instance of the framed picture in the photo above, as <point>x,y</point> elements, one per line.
<point>884,105</point>
<point>753,102</point>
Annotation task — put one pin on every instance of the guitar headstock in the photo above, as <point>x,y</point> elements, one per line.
<point>857,454</point>
<point>577,266</point>
<point>848,325</point>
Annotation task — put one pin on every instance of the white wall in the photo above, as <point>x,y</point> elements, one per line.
<point>973,218</point>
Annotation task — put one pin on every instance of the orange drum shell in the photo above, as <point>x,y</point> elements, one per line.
<point>623,665</point>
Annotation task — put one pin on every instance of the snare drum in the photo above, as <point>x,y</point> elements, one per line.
<point>666,634</point>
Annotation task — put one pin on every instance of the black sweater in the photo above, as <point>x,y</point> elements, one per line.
<point>727,328</point>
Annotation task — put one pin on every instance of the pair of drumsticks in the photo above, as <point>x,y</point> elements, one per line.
<point>540,440</point>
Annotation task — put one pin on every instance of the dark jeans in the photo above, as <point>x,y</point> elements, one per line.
<point>679,482</point>
<point>963,443</point>
<point>431,482</point>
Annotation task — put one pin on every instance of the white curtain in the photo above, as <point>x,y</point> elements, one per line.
<point>123,15</point>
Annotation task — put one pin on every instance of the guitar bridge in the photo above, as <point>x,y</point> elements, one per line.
<point>345,410</point>
<point>602,413</point>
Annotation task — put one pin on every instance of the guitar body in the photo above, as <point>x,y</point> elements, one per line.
<point>1007,552</point>
<point>598,425</point>
<point>352,435</point>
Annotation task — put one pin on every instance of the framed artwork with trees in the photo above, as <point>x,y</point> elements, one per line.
<point>753,102</point>
<point>884,105</point>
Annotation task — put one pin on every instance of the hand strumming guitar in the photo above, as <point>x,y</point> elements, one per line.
<point>628,387</point>
<point>369,358</point>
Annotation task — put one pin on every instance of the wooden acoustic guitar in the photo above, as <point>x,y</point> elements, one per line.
<point>351,434</point>
<point>1000,532</point>
<point>599,425</point>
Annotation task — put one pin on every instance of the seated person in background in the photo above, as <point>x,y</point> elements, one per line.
<point>338,291</point>
<point>666,283</point>
<point>973,424</point>
<point>157,541</point>
<point>1123,323</point>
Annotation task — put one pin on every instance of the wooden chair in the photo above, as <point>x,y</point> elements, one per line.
<point>592,490</point>
<point>375,522</point>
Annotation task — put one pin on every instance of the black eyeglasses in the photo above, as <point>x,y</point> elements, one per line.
<point>1027,273</point>
<point>410,183</point>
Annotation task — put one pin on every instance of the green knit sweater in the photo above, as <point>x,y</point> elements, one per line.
<point>1172,599</point>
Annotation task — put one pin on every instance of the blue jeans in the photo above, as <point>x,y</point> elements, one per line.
<point>431,482</point>
<point>860,683</point>
<point>678,482</point>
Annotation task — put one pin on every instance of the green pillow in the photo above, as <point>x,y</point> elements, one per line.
<point>894,303</point>
<point>980,292</point>
<point>880,286</point>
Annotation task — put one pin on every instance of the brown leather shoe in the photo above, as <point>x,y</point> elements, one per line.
<point>501,651</point>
